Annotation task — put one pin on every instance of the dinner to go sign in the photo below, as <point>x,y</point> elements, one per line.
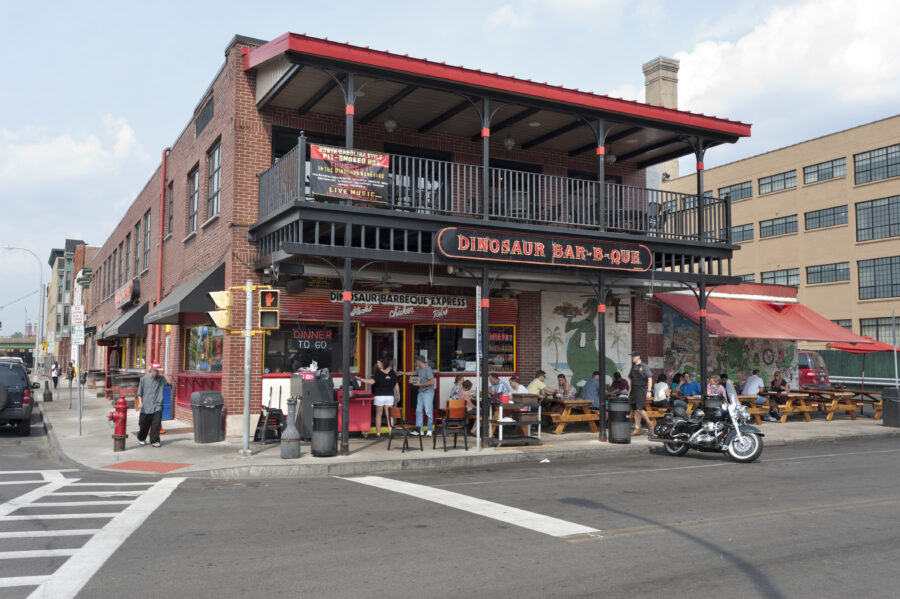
<point>348,174</point>
<point>524,248</point>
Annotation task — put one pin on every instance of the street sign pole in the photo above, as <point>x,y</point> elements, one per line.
<point>248,339</point>
<point>77,335</point>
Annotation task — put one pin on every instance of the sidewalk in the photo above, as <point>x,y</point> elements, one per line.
<point>180,456</point>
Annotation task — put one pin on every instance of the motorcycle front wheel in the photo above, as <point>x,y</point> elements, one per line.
<point>675,449</point>
<point>746,449</point>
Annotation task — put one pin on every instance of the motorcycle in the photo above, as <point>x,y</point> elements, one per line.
<point>724,430</point>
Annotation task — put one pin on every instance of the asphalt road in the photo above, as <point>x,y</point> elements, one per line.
<point>810,521</point>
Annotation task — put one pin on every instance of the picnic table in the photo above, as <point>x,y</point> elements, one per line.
<point>519,421</point>
<point>833,401</point>
<point>756,410</point>
<point>573,410</point>
<point>794,403</point>
<point>863,397</point>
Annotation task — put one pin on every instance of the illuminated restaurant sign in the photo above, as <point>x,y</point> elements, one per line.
<point>348,174</point>
<point>549,250</point>
<point>412,300</point>
<point>127,294</point>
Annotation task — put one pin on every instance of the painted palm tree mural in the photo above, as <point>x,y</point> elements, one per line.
<point>554,338</point>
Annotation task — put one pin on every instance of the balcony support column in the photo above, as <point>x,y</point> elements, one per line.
<point>349,110</point>
<point>600,132</point>
<point>699,146</point>
<point>485,156</point>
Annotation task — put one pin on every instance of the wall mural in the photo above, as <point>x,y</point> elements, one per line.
<point>737,357</point>
<point>569,338</point>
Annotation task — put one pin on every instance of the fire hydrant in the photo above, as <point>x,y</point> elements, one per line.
<point>119,416</point>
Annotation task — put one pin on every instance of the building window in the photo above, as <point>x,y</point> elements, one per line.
<point>738,191</point>
<point>825,170</point>
<point>788,276</point>
<point>742,233</point>
<point>137,248</point>
<point>778,182</point>
<point>140,351</point>
<point>65,316</point>
<point>879,277</point>
<point>203,349</point>
<point>750,278</point>
<point>117,268</point>
<point>878,219</point>
<point>121,264</point>
<point>213,163</point>
<point>778,226</point>
<point>298,344</point>
<point>205,116</point>
<point>147,240</point>
<point>68,280</point>
<point>827,217</point>
<point>58,322</point>
<point>879,329</point>
<point>844,322</point>
<point>193,190</point>
<point>170,208</point>
<point>876,165</point>
<point>828,273</point>
<point>127,255</point>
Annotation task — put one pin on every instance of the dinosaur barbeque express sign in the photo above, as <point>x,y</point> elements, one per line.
<point>394,305</point>
<point>523,248</point>
<point>348,174</point>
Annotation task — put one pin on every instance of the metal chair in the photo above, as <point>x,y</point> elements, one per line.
<point>454,421</point>
<point>401,427</point>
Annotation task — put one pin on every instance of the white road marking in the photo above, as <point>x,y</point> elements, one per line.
<point>27,534</point>
<point>22,581</point>
<point>23,482</point>
<point>30,497</point>
<point>98,494</point>
<point>2,472</point>
<point>57,516</point>
<point>525,519</point>
<point>78,503</point>
<point>71,577</point>
<point>37,553</point>
<point>111,484</point>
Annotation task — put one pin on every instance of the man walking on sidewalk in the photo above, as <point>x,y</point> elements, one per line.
<point>150,404</point>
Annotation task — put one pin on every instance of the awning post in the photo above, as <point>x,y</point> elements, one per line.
<point>485,384</point>
<point>702,314</point>
<point>601,350</point>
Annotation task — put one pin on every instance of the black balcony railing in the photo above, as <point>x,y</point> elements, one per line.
<point>453,189</point>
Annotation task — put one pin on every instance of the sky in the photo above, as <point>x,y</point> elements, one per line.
<point>93,91</point>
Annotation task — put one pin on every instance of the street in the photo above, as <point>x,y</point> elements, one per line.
<point>807,521</point>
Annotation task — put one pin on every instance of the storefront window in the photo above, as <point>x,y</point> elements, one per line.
<point>425,343</point>
<point>140,351</point>
<point>458,351</point>
<point>502,348</point>
<point>297,345</point>
<point>203,349</point>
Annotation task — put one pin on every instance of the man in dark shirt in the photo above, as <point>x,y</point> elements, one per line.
<point>641,378</point>
<point>150,404</point>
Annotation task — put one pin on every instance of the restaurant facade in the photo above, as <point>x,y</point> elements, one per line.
<point>405,207</point>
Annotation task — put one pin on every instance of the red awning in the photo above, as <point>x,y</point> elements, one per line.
<point>862,348</point>
<point>752,319</point>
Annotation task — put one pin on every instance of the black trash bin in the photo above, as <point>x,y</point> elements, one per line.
<point>209,416</point>
<point>890,407</point>
<point>619,423</point>
<point>324,430</point>
<point>313,392</point>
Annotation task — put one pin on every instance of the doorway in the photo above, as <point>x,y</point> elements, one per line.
<point>383,343</point>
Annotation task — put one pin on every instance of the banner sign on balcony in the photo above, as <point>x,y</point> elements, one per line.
<point>558,250</point>
<point>127,294</point>
<point>348,174</point>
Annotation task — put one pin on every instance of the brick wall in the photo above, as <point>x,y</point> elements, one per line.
<point>529,335</point>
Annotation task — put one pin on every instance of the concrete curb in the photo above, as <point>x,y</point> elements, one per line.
<point>335,467</point>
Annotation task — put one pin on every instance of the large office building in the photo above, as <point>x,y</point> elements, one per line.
<point>822,215</point>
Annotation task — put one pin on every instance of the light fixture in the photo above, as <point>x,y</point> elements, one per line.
<point>631,140</point>
<point>610,159</point>
<point>534,124</point>
<point>387,284</point>
<point>390,125</point>
<point>666,176</point>
<point>507,292</point>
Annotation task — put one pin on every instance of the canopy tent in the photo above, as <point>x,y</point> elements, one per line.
<point>754,319</point>
<point>862,348</point>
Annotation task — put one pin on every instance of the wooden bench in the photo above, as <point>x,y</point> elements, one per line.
<point>655,412</point>
<point>756,410</point>
<point>566,416</point>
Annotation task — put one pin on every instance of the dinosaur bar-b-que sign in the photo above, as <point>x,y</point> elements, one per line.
<point>523,248</point>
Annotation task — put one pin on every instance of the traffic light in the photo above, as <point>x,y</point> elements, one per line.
<point>269,301</point>
<point>221,316</point>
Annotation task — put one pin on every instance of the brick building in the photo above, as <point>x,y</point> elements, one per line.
<point>466,151</point>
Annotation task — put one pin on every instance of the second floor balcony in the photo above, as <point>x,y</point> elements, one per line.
<point>456,191</point>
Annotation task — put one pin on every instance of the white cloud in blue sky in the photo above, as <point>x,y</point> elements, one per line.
<point>94,90</point>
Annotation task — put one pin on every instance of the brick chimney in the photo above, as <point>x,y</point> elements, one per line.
<point>661,89</point>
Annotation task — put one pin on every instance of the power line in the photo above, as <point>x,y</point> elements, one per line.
<point>18,300</point>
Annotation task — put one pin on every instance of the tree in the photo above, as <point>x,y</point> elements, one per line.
<point>554,338</point>
<point>17,335</point>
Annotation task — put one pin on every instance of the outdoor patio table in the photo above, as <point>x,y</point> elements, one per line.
<point>794,403</point>
<point>497,421</point>
<point>582,413</point>
<point>757,411</point>
<point>863,397</point>
<point>835,401</point>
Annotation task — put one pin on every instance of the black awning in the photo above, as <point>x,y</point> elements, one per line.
<point>188,297</point>
<point>127,324</point>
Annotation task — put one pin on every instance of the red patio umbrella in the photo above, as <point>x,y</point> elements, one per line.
<point>862,348</point>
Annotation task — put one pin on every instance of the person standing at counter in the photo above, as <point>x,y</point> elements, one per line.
<point>385,389</point>
<point>425,401</point>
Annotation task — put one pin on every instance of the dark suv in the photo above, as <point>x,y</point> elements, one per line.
<point>16,400</point>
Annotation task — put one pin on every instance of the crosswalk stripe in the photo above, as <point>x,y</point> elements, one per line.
<point>2,472</point>
<point>37,553</point>
<point>510,515</point>
<point>39,481</point>
<point>28,498</point>
<point>27,534</point>
<point>79,503</point>
<point>85,484</point>
<point>97,494</point>
<point>57,516</point>
<point>22,581</point>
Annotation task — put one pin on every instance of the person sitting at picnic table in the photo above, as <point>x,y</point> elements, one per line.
<point>662,392</point>
<point>726,382</point>
<point>591,389</point>
<point>498,387</point>
<point>566,390</point>
<point>688,387</point>
<point>517,387</point>
<point>676,381</point>
<point>619,384</point>
<point>713,387</point>
<point>778,383</point>
<point>537,385</point>
<point>754,385</point>
<point>457,383</point>
<point>467,393</point>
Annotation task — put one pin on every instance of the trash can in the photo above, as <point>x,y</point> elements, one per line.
<point>167,403</point>
<point>890,407</point>
<point>209,417</point>
<point>619,424</point>
<point>313,392</point>
<point>324,430</point>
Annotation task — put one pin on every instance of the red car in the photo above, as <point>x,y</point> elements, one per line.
<point>813,372</point>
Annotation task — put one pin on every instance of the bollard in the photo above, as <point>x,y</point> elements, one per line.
<point>48,394</point>
<point>119,416</point>
<point>290,438</point>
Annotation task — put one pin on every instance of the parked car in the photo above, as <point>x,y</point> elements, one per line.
<point>813,372</point>
<point>16,399</point>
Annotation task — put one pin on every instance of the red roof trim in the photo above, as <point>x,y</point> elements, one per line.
<point>292,42</point>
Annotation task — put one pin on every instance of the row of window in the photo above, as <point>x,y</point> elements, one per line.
<point>876,328</point>
<point>878,277</point>
<point>874,165</point>
<point>117,269</point>
<point>875,219</point>
<point>213,187</point>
